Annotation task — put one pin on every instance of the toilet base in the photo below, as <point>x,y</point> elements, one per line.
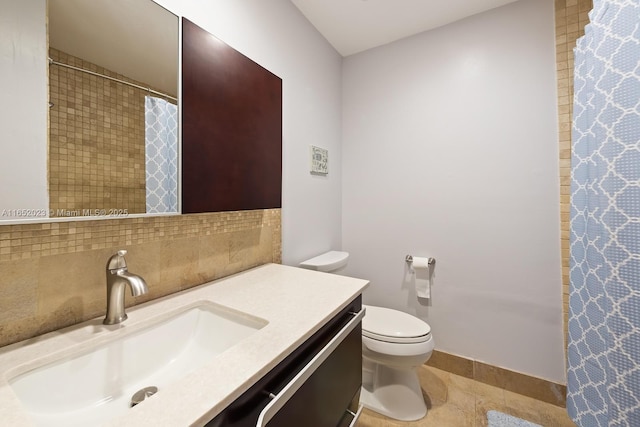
<point>392,392</point>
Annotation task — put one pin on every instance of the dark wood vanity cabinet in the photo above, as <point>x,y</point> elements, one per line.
<point>311,394</point>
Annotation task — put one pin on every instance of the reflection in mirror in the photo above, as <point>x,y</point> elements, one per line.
<point>113,138</point>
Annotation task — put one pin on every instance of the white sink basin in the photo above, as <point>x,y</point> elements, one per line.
<point>91,388</point>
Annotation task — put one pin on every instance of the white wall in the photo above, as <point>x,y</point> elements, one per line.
<point>23,112</point>
<point>278,37</point>
<point>450,150</point>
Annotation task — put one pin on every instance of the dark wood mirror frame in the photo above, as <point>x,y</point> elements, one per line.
<point>231,128</point>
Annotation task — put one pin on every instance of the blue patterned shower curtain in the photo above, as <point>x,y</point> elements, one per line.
<point>161,150</point>
<point>603,377</point>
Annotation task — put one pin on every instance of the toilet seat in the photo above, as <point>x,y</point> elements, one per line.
<point>395,340</point>
<point>393,326</point>
<point>385,348</point>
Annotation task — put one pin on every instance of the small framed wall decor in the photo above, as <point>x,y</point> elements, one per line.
<point>319,161</point>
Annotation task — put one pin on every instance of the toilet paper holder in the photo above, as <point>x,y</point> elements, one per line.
<point>409,259</point>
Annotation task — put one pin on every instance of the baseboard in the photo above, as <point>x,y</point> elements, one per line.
<point>516,382</point>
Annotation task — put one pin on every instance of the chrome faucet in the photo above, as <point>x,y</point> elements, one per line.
<point>117,279</point>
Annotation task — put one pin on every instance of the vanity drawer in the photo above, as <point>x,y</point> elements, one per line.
<point>318,385</point>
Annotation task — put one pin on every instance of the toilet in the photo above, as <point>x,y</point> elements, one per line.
<point>394,345</point>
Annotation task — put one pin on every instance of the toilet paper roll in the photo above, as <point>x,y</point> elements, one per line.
<point>420,262</point>
<point>422,270</point>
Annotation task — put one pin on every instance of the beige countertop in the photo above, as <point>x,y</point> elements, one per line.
<point>295,302</point>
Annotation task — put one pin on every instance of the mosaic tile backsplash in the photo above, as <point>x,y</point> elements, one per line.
<point>53,274</point>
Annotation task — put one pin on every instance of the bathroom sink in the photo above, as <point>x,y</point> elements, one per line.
<point>92,387</point>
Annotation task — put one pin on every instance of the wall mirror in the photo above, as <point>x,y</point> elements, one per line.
<point>113,112</point>
<point>113,82</point>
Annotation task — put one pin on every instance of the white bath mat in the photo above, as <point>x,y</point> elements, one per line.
<point>498,419</point>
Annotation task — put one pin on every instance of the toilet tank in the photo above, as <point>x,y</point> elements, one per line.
<point>327,262</point>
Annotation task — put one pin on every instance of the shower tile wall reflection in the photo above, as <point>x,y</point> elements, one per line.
<point>96,140</point>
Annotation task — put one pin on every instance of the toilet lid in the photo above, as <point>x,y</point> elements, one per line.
<point>385,324</point>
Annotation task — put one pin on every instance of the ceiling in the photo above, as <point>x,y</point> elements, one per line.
<point>352,26</point>
<point>138,39</point>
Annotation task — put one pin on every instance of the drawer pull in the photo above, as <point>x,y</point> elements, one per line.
<point>269,394</point>
<point>289,390</point>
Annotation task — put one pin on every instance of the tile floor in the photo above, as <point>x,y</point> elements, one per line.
<point>455,401</point>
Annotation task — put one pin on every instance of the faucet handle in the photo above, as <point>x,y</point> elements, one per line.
<point>117,261</point>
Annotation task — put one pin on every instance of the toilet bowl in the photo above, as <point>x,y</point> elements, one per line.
<point>394,344</point>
